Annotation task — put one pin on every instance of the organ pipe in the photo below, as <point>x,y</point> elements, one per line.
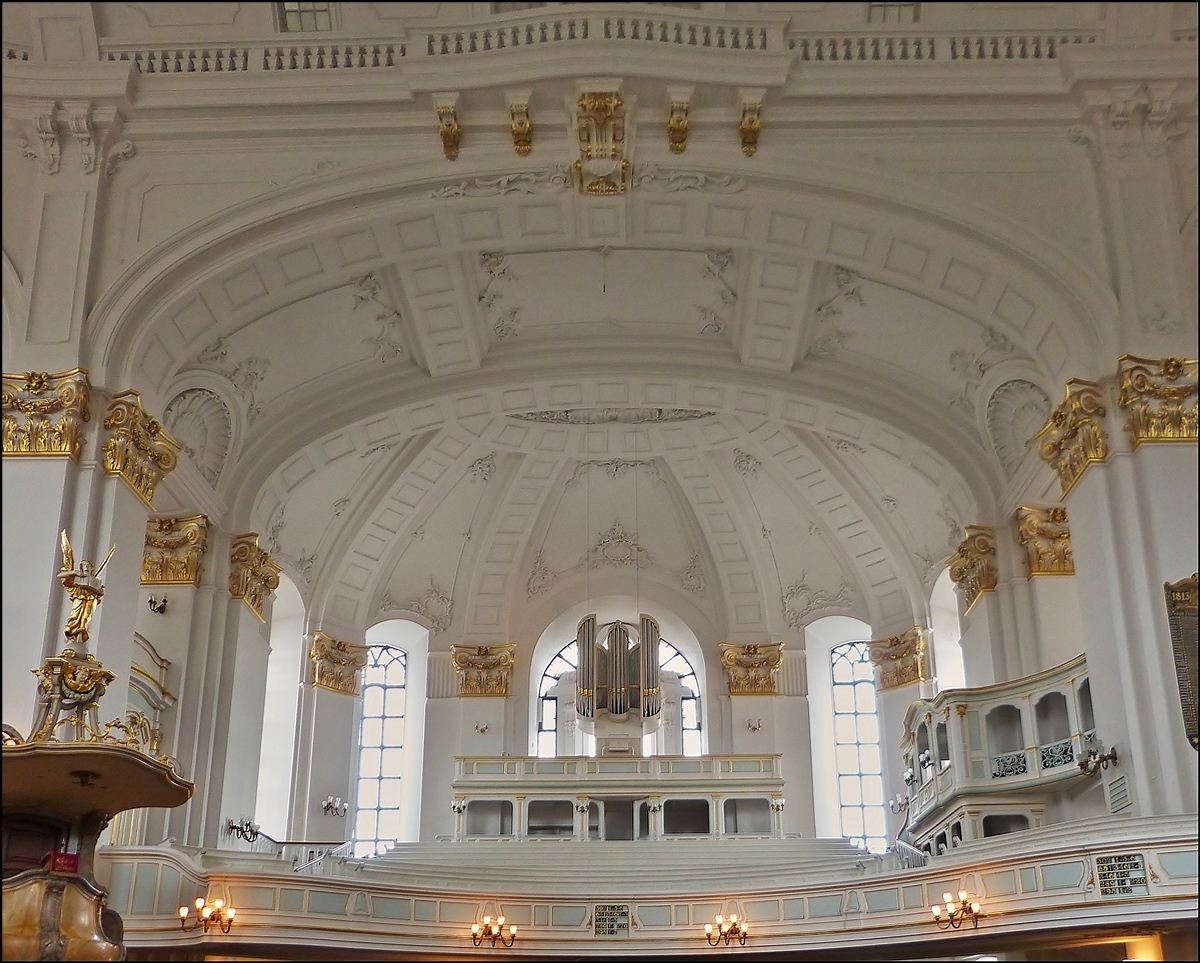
<point>651,691</point>
<point>585,678</point>
<point>618,670</point>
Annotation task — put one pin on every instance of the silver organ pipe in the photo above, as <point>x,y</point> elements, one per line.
<point>618,670</point>
<point>585,677</point>
<point>651,691</point>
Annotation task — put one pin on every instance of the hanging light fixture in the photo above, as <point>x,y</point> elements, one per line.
<point>726,930</point>
<point>216,914</point>
<point>492,931</point>
<point>957,913</point>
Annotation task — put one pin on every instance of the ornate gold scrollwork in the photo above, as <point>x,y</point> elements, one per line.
<point>522,129</point>
<point>750,126</point>
<point>973,565</point>
<point>902,659</point>
<point>1074,436</point>
<point>752,669</point>
<point>677,126</point>
<point>336,664</point>
<point>254,574</point>
<point>449,129</point>
<point>1156,394</point>
<point>138,447</point>
<point>174,547</point>
<point>1047,540</point>
<point>44,413</point>
<point>602,167</point>
<point>483,670</point>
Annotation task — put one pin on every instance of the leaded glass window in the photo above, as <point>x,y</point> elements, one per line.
<point>380,752</point>
<point>305,17</point>
<point>856,732</point>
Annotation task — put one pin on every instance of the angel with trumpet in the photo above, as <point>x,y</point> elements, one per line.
<point>83,585</point>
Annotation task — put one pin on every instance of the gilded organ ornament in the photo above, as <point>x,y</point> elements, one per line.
<point>1047,540</point>
<point>336,664</point>
<point>44,413</point>
<point>483,670</point>
<point>973,565</point>
<point>902,659</point>
<point>174,547</point>
<point>1074,436</point>
<point>1160,397</point>
<point>137,447</point>
<point>254,575</point>
<point>752,669</point>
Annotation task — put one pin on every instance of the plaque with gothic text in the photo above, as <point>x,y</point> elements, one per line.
<point>1181,614</point>
<point>611,919</point>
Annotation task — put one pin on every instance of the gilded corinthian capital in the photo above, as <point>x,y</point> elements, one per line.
<point>336,664</point>
<point>137,447</point>
<point>1047,540</point>
<point>973,565</point>
<point>901,659</point>
<point>1160,396</point>
<point>752,669</point>
<point>174,547</point>
<point>483,670</point>
<point>44,413</point>
<point>1074,437</point>
<point>254,575</point>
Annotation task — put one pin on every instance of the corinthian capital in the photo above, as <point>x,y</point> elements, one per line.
<point>137,447</point>
<point>44,413</point>
<point>973,565</point>
<point>1160,396</point>
<point>901,659</point>
<point>254,575</point>
<point>1074,436</point>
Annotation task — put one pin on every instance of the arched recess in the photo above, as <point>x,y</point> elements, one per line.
<point>947,630</point>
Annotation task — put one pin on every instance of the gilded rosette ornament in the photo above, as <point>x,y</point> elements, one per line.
<point>1047,540</point>
<point>973,565</point>
<point>336,664</point>
<point>254,574</point>
<point>137,448</point>
<point>1160,397</point>
<point>902,659</point>
<point>752,669</point>
<point>174,547</point>
<point>1074,437</point>
<point>483,670</point>
<point>44,413</point>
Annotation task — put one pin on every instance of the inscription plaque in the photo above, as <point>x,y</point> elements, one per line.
<point>1123,875</point>
<point>1181,615</point>
<point>611,919</point>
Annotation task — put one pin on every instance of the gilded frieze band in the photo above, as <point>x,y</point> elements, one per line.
<point>1046,537</point>
<point>1156,394</point>
<point>1074,436</point>
<point>902,659</point>
<point>44,413</point>
<point>254,575</point>
<point>174,548</point>
<point>483,670</point>
<point>752,669</point>
<point>973,565</point>
<point>336,664</point>
<point>137,447</point>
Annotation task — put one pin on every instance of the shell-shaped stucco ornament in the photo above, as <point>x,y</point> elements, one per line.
<point>1016,411</point>
<point>201,421</point>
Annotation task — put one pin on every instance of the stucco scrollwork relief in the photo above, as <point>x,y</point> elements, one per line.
<point>603,416</point>
<point>550,180</point>
<point>801,601</point>
<point>433,605</point>
<point>615,468</point>
<point>970,365</point>
<point>244,376</point>
<point>483,468</point>
<point>746,464</point>
<point>847,289</point>
<point>717,313</point>
<point>1015,412</point>
<point>666,180</point>
<point>200,421</point>
<point>386,345</point>
<point>301,564</point>
<point>505,321</point>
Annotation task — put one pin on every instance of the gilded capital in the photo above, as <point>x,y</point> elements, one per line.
<point>44,413</point>
<point>1047,540</point>
<point>336,664</point>
<point>137,447</point>
<point>902,659</point>
<point>1160,397</point>
<point>174,547</point>
<point>1074,437</point>
<point>483,670</point>
<point>254,575</point>
<point>752,669</point>
<point>973,565</point>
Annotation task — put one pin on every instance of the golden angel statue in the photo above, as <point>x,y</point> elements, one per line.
<point>84,586</point>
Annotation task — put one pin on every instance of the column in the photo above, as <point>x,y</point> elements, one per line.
<point>1044,534</point>
<point>973,569</point>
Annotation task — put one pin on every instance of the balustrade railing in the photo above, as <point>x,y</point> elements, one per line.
<point>1009,764</point>
<point>1057,754</point>
<point>909,856</point>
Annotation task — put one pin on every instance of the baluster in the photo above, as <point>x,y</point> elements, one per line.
<point>678,33</point>
<point>1051,52</point>
<point>691,35</point>
<point>570,29</point>
<point>635,32</point>
<point>891,51</point>
<point>471,42</point>
<point>1024,48</point>
<point>542,35</point>
<point>876,53</point>
<point>558,30</point>
<point>721,37</point>
<point>585,23</point>
<point>933,49</point>
<point>529,35</point>
<point>458,43</point>
<point>735,39</point>
<point>320,58</point>
<point>707,35</point>
<point>487,40</point>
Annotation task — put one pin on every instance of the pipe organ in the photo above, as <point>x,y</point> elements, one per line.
<point>618,672</point>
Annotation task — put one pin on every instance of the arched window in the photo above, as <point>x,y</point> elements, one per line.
<point>856,732</point>
<point>381,751</point>
<point>669,658</point>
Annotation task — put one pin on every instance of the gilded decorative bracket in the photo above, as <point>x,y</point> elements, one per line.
<point>1156,393</point>
<point>44,413</point>
<point>677,118</point>
<point>752,669</point>
<point>521,125</point>
<point>750,124</point>
<point>1047,540</point>
<point>174,547</point>
<point>602,167</point>
<point>483,670</point>
<point>973,565</point>
<point>902,659</point>
<point>448,124</point>
<point>1074,436</point>
<point>336,664</point>
<point>138,448</point>
<point>254,575</point>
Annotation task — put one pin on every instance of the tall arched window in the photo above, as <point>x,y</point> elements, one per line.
<point>381,751</point>
<point>669,658</point>
<point>856,733</point>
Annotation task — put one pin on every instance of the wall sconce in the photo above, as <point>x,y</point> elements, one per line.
<point>482,729</point>
<point>909,776</point>
<point>218,914</point>
<point>957,913</point>
<point>778,804</point>
<point>1093,760</point>
<point>242,829</point>
<point>459,806</point>
<point>754,726</point>
<point>157,606</point>
<point>925,758</point>
<point>334,806</point>
<point>726,929</point>
<point>493,931</point>
<point>900,803</point>
<point>581,806</point>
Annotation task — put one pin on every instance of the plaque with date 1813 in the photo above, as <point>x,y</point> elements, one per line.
<point>1181,614</point>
